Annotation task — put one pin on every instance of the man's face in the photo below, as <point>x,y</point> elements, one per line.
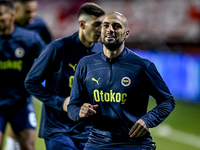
<point>92,30</point>
<point>113,31</point>
<point>27,11</point>
<point>6,18</point>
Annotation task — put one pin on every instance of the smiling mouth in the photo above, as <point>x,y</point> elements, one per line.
<point>110,37</point>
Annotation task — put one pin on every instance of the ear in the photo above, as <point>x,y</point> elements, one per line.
<point>81,24</point>
<point>127,33</point>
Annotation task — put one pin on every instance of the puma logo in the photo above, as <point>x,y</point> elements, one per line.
<point>73,67</point>
<point>97,81</point>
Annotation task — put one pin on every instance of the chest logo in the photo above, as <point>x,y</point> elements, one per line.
<point>73,66</point>
<point>97,81</point>
<point>19,52</point>
<point>126,81</point>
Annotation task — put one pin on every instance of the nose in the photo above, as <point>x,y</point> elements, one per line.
<point>110,28</point>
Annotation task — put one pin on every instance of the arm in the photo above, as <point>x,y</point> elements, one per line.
<point>165,104</point>
<point>40,70</point>
<point>151,119</point>
<point>159,113</point>
<point>79,105</point>
<point>164,99</point>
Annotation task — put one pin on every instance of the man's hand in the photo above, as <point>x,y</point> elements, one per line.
<point>65,104</point>
<point>87,110</point>
<point>139,129</point>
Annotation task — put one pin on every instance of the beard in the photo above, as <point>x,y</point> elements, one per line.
<point>112,46</point>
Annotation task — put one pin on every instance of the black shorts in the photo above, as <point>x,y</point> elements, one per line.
<point>19,116</point>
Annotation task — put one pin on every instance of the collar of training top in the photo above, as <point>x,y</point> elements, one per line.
<point>121,56</point>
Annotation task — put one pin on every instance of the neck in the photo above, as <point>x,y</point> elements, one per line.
<point>83,40</point>
<point>113,53</point>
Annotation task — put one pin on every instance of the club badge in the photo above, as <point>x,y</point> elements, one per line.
<point>19,52</point>
<point>126,81</point>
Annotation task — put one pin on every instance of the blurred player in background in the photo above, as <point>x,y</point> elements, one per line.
<point>18,49</point>
<point>57,64</point>
<point>113,88</point>
<point>26,17</point>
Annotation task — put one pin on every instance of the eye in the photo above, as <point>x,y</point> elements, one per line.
<point>97,24</point>
<point>117,26</point>
<point>105,25</point>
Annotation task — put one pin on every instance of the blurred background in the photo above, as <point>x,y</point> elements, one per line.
<point>167,33</point>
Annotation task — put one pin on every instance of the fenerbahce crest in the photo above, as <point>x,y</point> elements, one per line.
<point>126,81</point>
<point>19,52</point>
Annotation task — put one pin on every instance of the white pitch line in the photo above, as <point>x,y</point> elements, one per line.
<point>166,131</point>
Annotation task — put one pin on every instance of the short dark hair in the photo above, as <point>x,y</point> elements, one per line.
<point>91,9</point>
<point>24,1</point>
<point>7,3</point>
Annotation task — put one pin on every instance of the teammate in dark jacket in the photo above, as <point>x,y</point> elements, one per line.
<point>57,65</point>
<point>113,87</point>
<point>26,18</point>
<point>18,50</point>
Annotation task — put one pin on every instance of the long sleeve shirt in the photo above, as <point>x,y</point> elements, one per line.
<point>17,54</point>
<point>121,87</point>
<point>57,64</point>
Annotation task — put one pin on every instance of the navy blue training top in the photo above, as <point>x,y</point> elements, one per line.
<point>121,87</point>
<point>17,54</point>
<point>57,64</point>
<point>40,27</point>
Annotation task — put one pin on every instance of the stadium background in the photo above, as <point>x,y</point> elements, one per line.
<point>167,33</point>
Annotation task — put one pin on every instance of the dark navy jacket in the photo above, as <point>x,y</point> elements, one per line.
<point>17,54</point>
<point>39,26</point>
<point>57,64</point>
<point>121,87</point>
